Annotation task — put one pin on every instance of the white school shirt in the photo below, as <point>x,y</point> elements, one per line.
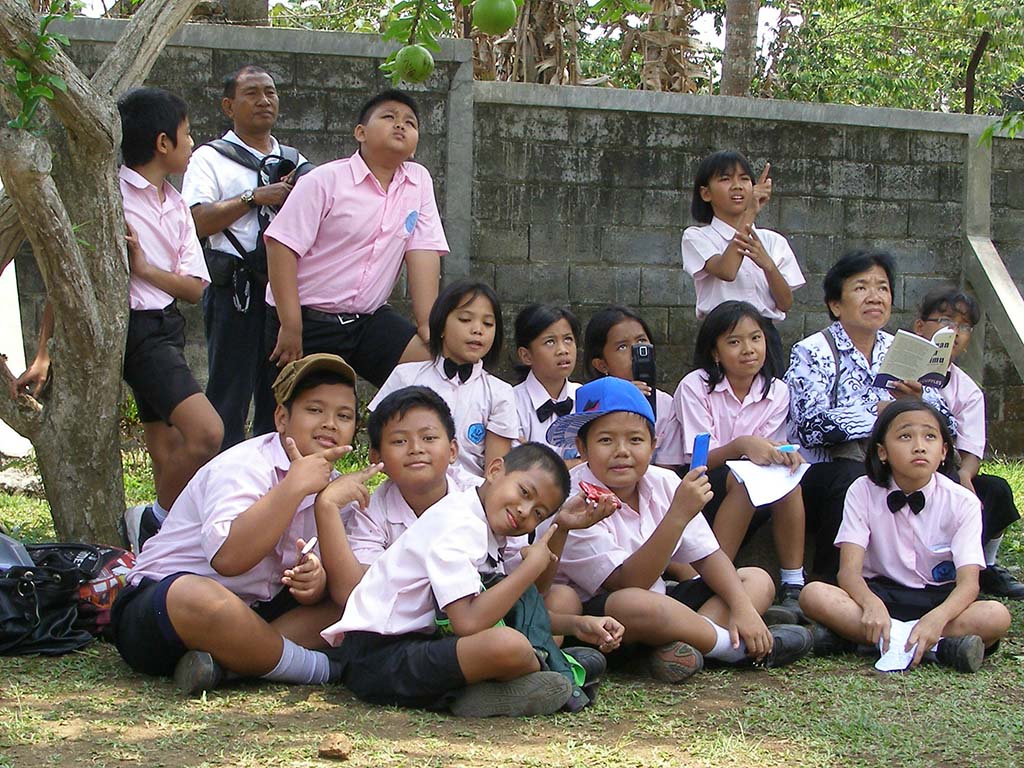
<point>437,561</point>
<point>388,516</point>
<point>531,395</point>
<point>670,451</point>
<point>703,242</point>
<point>592,554</point>
<point>211,177</point>
<point>482,404</point>
<point>966,403</point>
<point>200,520</point>
<point>914,550</point>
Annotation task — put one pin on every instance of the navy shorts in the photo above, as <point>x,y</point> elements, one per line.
<point>412,670</point>
<point>909,603</point>
<point>154,362</point>
<point>143,632</point>
<point>692,593</point>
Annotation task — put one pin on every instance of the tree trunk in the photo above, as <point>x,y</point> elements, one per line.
<point>251,13</point>
<point>72,215</point>
<point>740,47</point>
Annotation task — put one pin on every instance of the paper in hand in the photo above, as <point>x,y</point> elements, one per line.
<point>769,483</point>
<point>896,659</point>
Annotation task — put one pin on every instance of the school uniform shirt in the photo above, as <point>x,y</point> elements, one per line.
<point>592,554</point>
<point>914,550</point>
<point>167,236</point>
<point>200,520</point>
<point>388,516</point>
<point>481,404</point>
<point>966,402</point>
<point>212,177</point>
<point>438,561</point>
<point>350,234</point>
<point>724,416</point>
<point>751,285</point>
<point>531,395</point>
<point>670,450</point>
<point>814,422</point>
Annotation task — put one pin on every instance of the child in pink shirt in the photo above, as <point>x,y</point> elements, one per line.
<point>737,396</point>
<point>910,549</point>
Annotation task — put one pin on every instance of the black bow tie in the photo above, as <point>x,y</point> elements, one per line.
<point>898,499</point>
<point>551,408</point>
<point>462,370</point>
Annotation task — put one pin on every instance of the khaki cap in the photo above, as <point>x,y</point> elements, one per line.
<point>297,370</point>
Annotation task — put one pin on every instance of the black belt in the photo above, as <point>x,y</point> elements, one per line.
<point>343,318</point>
<point>170,309</point>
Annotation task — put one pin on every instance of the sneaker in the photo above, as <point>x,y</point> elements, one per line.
<point>792,642</point>
<point>963,653</point>
<point>594,664</point>
<point>996,580</point>
<point>197,672</point>
<point>675,662</point>
<point>825,642</point>
<point>779,614</point>
<point>138,526</point>
<point>538,693</point>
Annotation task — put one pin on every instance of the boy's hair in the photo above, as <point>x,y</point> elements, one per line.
<point>145,114</point>
<point>399,403</point>
<point>854,263</point>
<point>315,379</point>
<point>716,163</point>
<point>950,299</point>
<point>529,455</point>
<point>596,335</point>
<point>533,320</point>
<point>392,94</point>
<point>231,80</point>
<point>720,321</point>
<point>451,298</point>
<point>880,474</point>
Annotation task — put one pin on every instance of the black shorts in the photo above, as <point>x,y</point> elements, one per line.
<point>372,344</point>
<point>692,593</point>
<point>998,509</point>
<point>143,632</point>
<point>908,603</point>
<point>412,670</point>
<point>154,362</point>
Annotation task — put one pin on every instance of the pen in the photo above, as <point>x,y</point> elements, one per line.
<point>790,448</point>
<point>312,543</point>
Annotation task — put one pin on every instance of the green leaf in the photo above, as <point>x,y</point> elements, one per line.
<point>40,91</point>
<point>57,83</point>
<point>61,38</point>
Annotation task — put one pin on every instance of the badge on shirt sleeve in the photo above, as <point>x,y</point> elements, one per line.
<point>944,571</point>
<point>410,221</point>
<point>476,433</point>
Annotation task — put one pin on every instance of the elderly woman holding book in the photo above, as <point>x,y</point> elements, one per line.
<point>833,402</point>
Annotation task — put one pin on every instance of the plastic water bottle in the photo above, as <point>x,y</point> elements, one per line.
<point>13,552</point>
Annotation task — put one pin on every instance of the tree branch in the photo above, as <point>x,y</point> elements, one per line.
<point>138,48</point>
<point>24,415</point>
<point>11,233</point>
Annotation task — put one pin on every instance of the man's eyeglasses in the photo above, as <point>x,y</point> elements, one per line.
<point>948,322</point>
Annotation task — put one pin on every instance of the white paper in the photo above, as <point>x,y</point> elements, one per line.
<point>766,484</point>
<point>896,659</point>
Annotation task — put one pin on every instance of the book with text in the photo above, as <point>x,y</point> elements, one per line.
<point>914,358</point>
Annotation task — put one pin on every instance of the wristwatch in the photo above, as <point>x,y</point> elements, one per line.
<point>249,197</point>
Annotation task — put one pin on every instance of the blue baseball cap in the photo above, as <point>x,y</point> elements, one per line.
<point>596,399</point>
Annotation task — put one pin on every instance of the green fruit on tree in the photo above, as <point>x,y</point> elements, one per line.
<point>413,63</point>
<point>494,17</point>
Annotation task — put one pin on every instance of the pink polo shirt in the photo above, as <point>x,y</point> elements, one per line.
<point>200,520</point>
<point>966,403</point>
<point>167,236</point>
<point>721,414</point>
<point>351,235</point>
<point>437,562</point>
<point>914,550</point>
<point>388,516</point>
<point>592,554</point>
<point>701,243</point>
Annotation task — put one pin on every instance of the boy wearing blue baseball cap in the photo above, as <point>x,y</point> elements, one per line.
<point>618,565</point>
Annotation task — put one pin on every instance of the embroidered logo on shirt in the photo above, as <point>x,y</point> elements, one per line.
<point>944,571</point>
<point>476,433</point>
<point>410,221</point>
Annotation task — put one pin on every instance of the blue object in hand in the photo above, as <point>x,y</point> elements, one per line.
<point>699,457</point>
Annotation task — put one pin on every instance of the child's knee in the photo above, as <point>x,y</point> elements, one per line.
<point>511,651</point>
<point>199,601</point>
<point>757,583</point>
<point>563,599</point>
<point>814,597</point>
<point>203,440</point>
<point>995,620</point>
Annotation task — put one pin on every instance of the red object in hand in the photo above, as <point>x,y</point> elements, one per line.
<point>595,493</point>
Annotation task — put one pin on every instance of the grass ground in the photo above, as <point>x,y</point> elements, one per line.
<point>86,708</point>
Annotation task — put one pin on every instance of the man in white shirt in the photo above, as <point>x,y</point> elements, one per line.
<point>228,204</point>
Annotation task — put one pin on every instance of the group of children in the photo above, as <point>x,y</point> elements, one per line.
<point>536,513</point>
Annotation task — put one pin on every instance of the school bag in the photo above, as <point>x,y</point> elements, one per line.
<point>273,168</point>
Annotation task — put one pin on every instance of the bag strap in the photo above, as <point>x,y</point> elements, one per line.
<point>238,154</point>
<point>831,340</point>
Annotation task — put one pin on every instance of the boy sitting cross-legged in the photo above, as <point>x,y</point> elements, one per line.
<point>391,649</point>
<point>223,586</point>
<point>618,564</point>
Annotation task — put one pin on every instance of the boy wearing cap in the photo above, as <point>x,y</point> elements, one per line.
<point>225,586</point>
<point>617,565</point>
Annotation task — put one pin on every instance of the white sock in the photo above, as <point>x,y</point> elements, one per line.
<point>792,576</point>
<point>723,650</point>
<point>299,665</point>
<point>991,548</point>
<point>159,512</point>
